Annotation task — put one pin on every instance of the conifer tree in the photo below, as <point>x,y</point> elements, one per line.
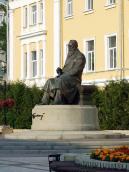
<point>3,32</point>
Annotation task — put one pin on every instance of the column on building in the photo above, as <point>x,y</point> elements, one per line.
<point>10,59</point>
<point>57,34</point>
<point>22,61</point>
<point>44,58</point>
<point>29,66</point>
<point>44,16</point>
<point>38,59</point>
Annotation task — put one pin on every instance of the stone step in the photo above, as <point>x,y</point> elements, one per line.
<point>63,144</point>
<point>42,143</point>
<point>64,135</point>
<point>44,148</point>
<point>33,153</point>
<point>87,142</point>
<point>61,147</point>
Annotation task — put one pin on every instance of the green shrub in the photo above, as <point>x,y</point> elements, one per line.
<point>20,116</point>
<point>113,105</point>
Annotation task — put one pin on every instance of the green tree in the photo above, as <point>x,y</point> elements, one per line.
<point>3,32</point>
<point>20,115</point>
<point>113,105</point>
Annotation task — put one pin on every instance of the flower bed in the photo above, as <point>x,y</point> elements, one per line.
<point>86,161</point>
<point>117,154</point>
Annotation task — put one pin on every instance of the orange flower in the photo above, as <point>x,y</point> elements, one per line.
<point>106,151</point>
<point>127,158</point>
<point>121,153</point>
<point>103,158</point>
<point>111,157</point>
<point>97,152</point>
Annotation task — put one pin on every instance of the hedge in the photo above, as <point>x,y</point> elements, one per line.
<point>20,116</point>
<point>112,102</point>
<point>113,105</point>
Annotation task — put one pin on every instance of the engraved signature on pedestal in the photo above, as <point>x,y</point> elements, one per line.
<point>34,115</point>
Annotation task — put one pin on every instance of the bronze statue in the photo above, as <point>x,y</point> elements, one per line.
<point>64,89</point>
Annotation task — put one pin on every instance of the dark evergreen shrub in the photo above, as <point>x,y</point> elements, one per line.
<point>113,105</point>
<point>20,116</point>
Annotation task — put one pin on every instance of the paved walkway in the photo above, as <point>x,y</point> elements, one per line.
<point>24,164</point>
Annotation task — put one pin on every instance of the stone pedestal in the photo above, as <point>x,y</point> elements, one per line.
<point>65,118</point>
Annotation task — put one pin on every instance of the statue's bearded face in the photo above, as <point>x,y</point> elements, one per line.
<point>72,46</point>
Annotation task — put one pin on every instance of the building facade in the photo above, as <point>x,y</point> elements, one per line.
<point>41,29</point>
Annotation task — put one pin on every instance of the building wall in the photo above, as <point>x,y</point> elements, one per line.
<point>58,29</point>
<point>83,25</point>
<point>126,39</point>
<point>25,40</point>
<point>49,38</point>
<point>17,45</point>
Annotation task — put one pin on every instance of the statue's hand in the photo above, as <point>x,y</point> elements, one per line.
<point>59,71</point>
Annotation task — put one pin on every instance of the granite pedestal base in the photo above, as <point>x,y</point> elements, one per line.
<point>65,118</point>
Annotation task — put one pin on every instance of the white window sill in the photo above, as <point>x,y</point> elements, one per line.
<point>40,23</point>
<point>111,69</point>
<point>88,11</point>
<point>88,72</point>
<point>33,25</point>
<point>25,28</point>
<point>110,6</point>
<point>24,79</point>
<point>33,78</point>
<point>68,17</point>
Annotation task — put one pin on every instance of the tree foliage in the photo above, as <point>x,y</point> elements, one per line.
<point>113,105</point>
<point>20,116</point>
<point>3,32</point>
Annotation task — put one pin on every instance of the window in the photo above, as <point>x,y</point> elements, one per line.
<point>41,62</point>
<point>69,7</point>
<point>33,14</point>
<point>89,5</point>
<point>111,52</point>
<point>34,63</point>
<point>90,55</point>
<point>41,13</point>
<point>25,22</point>
<point>25,64</point>
<point>111,2</point>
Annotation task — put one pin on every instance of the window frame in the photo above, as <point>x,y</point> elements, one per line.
<point>109,3</point>
<point>25,17</point>
<point>92,56</point>
<point>69,5</point>
<point>34,62</point>
<point>41,8</point>
<point>87,5</point>
<point>108,51</point>
<point>33,14</point>
<point>25,64</point>
<point>41,62</point>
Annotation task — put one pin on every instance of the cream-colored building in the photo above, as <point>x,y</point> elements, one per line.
<point>27,36</point>
<point>41,29</point>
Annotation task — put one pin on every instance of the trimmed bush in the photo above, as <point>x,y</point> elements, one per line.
<point>113,105</point>
<point>20,116</point>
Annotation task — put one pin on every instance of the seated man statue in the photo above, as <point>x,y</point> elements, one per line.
<point>64,89</point>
